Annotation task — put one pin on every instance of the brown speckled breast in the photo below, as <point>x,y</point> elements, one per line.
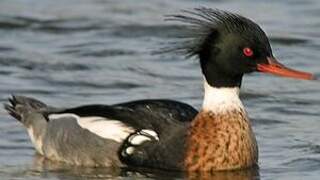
<point>220,142</point>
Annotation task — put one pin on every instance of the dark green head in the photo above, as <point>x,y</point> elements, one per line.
<point>228,45</point>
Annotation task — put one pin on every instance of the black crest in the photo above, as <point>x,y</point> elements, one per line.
<point>204,24</point>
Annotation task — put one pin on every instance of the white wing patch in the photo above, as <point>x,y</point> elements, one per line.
<point>105,128</point>
<point>109,129</point>
<point>59,116</point>
<point>143,136</point>
<point>139,138</point>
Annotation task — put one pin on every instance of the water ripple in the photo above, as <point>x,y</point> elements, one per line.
<point>288,40</point>
<point>5,49</point>
<point>50,26</point>
<point>136,31</point>
<point>98,53</point>
<point>15,147</point>
<point>264,121</point>
<point>42,65</point>
<point>115,85</point>
<point>303,164</point>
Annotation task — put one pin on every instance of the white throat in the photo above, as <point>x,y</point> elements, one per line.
<point>221,99</point>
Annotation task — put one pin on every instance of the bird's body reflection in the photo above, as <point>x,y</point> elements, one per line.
<point>244,174</point>
<point>47,168</point>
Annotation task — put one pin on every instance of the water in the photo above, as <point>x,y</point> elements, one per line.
<point>74,52</point>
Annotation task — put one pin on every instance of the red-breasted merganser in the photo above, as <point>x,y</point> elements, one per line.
<point>166,134</point>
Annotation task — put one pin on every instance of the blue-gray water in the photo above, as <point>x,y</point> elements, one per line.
<point>74,52</point>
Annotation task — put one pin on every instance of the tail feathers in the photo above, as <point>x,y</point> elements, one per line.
<point>11,110</point>
<point>19,106</point>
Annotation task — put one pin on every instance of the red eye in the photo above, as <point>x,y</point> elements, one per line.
<point>247,52</point>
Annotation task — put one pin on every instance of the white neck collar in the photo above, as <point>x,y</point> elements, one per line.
<point>221,99</point>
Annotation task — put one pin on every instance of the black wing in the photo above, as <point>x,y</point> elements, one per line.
<point>157,114</point>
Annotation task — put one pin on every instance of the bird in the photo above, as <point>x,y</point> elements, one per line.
<point>162,133</point>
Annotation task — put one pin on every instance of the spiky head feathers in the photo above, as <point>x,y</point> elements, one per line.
<point>227,44</point>
<point>205,25</point>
